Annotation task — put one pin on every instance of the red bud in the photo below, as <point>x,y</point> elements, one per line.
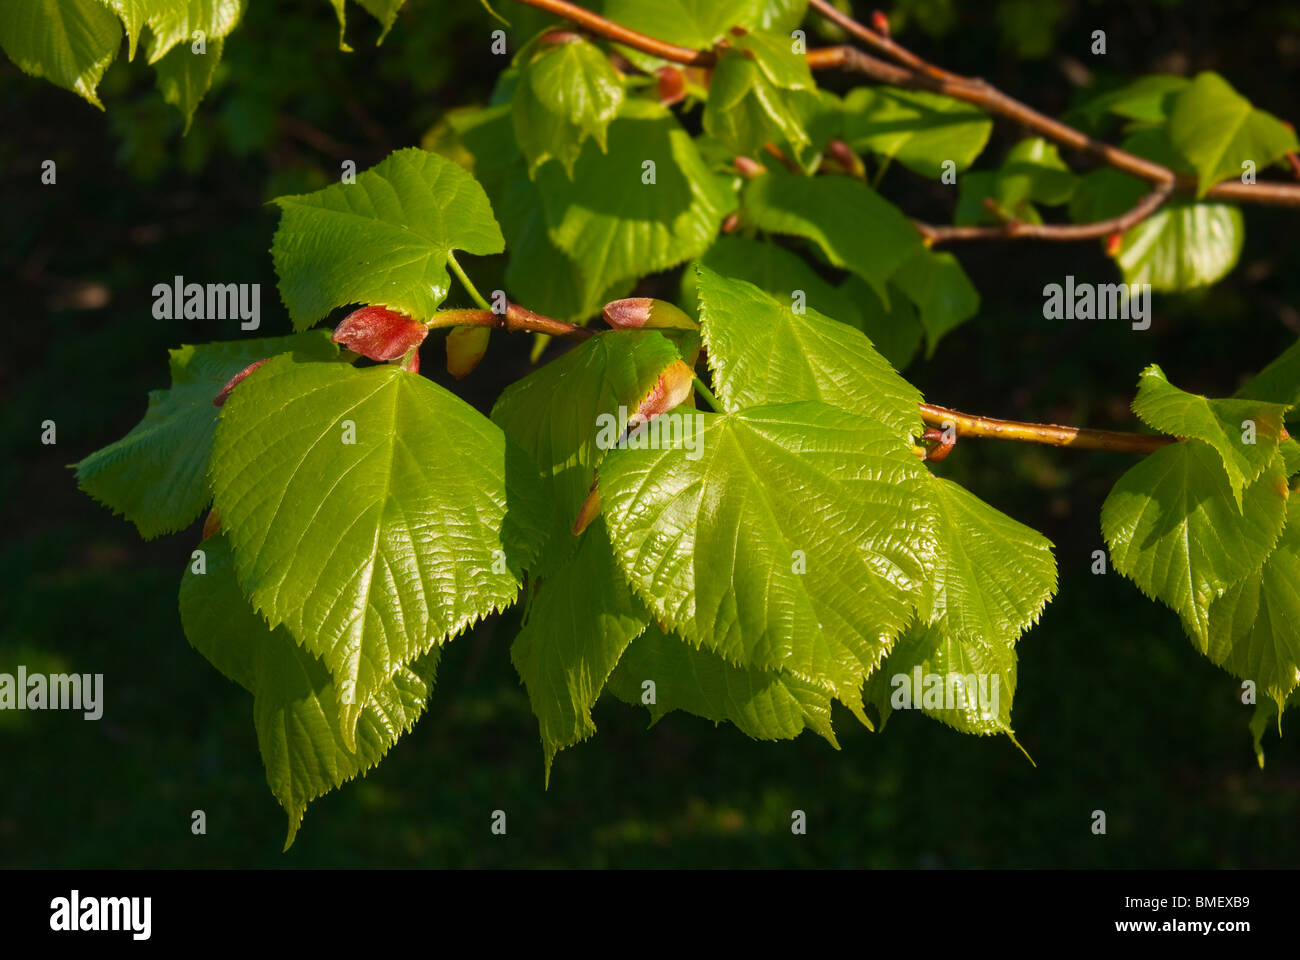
<point>880,22</point>
<point>749,168</point>
<point>936,447</point>
<point>379,333</point>
<point>224,394</point>
<point>672,85</point>
<point>634,313</point>
<point>211,524</point>
<point>1113,244</point>
<point>589,510</point>
<point>730,224</point>
<point>465,348</point>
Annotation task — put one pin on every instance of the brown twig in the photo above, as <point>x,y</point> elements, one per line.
<point>969,425</point>
<point>516,319</point>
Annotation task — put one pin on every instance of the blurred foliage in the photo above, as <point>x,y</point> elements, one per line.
<point>1116,708</point>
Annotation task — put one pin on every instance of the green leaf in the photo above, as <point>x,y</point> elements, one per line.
<point>788,537</point>
<point>617,226</point>
<point>1219,423</point>
<point>554,415</point>
<point>172,23</point>
<point>382,240</point>
<point>156,476</point>
<point>762,704</point>
<point>578,626</point>
<point>295,699</point>
<point>1182,246</point>
<point>776,58</point>
<point>1148,99</point>
<point>1266,713</point>
<point>920,130</point>
<point>1033,172</point>
<point>385,11</point>
<point>184,77</point>
<point>1279,381</point>
<point>372,513</point>
<point>762,352</point>
<point>1217,130</point>
<point>1105,193</point>
<point>967,684</point>
<point>694,23</point>
<point>942,292</point>
<point>566,93</point>
<point>68,42</point>
<point>746,108</point>
<point>894,332</point>
<point>1252,627</point>
<point>992,575</point>
<point>1173,528</point>
<point>852,224</point>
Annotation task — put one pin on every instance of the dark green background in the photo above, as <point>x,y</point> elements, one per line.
<point>1115,706</point>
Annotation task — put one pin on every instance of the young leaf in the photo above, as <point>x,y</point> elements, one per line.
<point>1220,423</point>
<point>372,513</point>
<point>172,24</point>
<point>379,333</point>
<point>1217,130</point>
<point>765,705</point>
<point>156,476</point>
<point>582,620</point>
<point>382,240</point>
<point>762,352</point>
<point>852,224</point>
<point>184,77</point>
<point>1173,528</point>
<point>68,42</point>
<point>746,109</point>
<point>978,681</point>
<point>295,699</point>
<point>1253,626</point>
<point>1148,99</point>
<point>648,204</point>
<point>555,414</point>
<point>788,537</point>
<point>943,294</point>
<point>566,93</point>
<point>1279,381</point>
<point>1183,246</point>
<point>920,130</point>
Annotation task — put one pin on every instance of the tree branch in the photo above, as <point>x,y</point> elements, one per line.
<point>969,425</point>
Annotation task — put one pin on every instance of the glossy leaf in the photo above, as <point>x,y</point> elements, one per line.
<point>68,42</point>
<point>382,240</point>
<point>919,129</point>
<point>1183,246</point>
<point>372,513</point>
<point>761,352</point>
<point>295,699</point>
<point>156,476</point>
<point>944,296</point>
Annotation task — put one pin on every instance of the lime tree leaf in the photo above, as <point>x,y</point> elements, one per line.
<point>1253,627</point>
<point>1183,246</point>
<point>647,204</point>
<point>853,225</point>
<point>1268,715</point>
<point>1279,381</point>
<point>566,93</point>
<point>762,704</point>
<point>184,77</point>
<point>581,621</point>
<point>1217,130</point>
<point>920,130</point>
<point>943,294</point>
<point>776,58</point>
<point>372,513</point>
<point>1173,528</point>
<point>1219,423</point>
<point>787,537</point>
<point>1105,193</point>
<point>1148,99</point>
<point>173,23</point>
<point>383,240</point>
<point>762,352</point>
<point>156,476</point>
<point>780,16</point>
<point>745,108</point>
<point>693,23</point>
<point>385,11</point>
<point>67,42</point>
<point>992,575</point>
<point>967,684</point>
<point>895,330</point>
<point>554,414</point>
<point>1033,172</point>
<point>295,699</point>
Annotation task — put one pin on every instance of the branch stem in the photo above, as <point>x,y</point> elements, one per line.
<point>969,425</point>
<point>465,281</point>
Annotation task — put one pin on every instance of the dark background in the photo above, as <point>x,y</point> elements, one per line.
<point>1118,710</point>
